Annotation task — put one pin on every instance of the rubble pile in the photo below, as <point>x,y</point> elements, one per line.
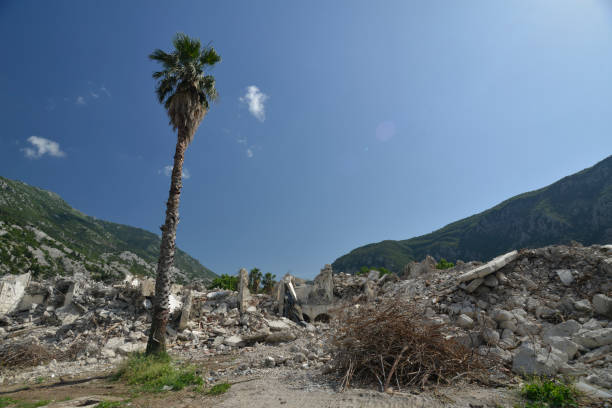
<point>72,325</point>
<point>545,311</point>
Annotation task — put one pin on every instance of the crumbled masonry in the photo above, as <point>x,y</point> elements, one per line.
<point>545,311</point>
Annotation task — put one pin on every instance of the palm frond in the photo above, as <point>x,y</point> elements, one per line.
<point>209,57</point>
<point>183,86</point>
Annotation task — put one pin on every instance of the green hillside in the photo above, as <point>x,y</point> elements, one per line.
<point>96,244</point>
<point>577,207</point>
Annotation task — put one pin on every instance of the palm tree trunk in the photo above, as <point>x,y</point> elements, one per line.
<point>161,303</point>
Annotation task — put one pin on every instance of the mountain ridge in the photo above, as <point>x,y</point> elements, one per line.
<point>577,207</point>
<point>23,207</point>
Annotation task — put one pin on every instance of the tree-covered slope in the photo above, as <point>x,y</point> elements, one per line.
<point>25,210</point>
<point>577,207</point>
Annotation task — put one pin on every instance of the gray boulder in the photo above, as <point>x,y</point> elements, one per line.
<point>565,329</point>
<point>534,360</point>
<point>594,338</point>
<point>602,304</point>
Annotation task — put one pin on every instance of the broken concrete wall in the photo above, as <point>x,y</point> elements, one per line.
<point>12,289</point>
<point>323,288</point>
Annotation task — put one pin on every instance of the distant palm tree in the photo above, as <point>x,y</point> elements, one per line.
<point>268,282</point>
<point>254,280</point>
<point>186,91</point>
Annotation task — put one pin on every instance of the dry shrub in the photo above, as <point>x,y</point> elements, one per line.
<point>30,353</point>
<point>23,354</point>
<point>392,344</point>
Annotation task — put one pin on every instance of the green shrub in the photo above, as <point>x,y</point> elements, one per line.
<point>545,393</point>
<point>219,389</point>
<point>443,264</point>
<point>225,281</point>
<point>155,373</point>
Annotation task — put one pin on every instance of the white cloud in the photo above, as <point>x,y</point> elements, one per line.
<point>249,152</point>
<point>167,171</point>
<point>42,146</point>
<point>94,95</point>
<point>80,100</point>
<point>255,99</point>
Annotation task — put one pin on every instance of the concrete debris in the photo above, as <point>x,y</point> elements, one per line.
<point>545,311</point>
<point>12,289</point>
<point>488,268</point>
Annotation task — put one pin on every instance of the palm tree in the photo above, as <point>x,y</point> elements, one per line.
<point>268,282</point>
<point>254,280</point>
<point>186,92</point>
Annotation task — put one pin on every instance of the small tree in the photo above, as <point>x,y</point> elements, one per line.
<point>443,264</point>
<point>225,281</point>
<point>268,282</point>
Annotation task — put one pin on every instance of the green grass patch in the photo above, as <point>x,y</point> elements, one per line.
<point>219,389</point>
<point>110,404</point>
<point>157,373</point>
<point>545,393</point>
<point>36,404</point>
<point>6,401</point>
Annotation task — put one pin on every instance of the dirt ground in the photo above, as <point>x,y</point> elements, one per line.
<point>280,387</point>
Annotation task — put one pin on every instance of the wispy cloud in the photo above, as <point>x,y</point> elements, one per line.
<point>249,152</point>
<point>93,93</point>
<point>255,99</point>
<point>40,147</point>
<point>167,171</point>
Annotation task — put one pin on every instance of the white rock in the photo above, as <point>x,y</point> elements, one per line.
<point>565,275</point>
<point>564,345</point>
<point>594,338</point>
<point>131,348</point>
<point>465,322</point>
<point>233,341</point>
<point>592,391</point>
<point>277,325</point>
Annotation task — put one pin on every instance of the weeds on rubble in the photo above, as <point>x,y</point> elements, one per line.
<point>219,389</point>
<point>156,373</point>
<point>547,393</point>
<point>391,344</point>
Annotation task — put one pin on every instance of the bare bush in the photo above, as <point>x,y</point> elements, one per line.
<point>392,343</point>
<point>30,353</point>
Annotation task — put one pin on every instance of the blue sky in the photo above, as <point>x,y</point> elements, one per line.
<point>377,120</point>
